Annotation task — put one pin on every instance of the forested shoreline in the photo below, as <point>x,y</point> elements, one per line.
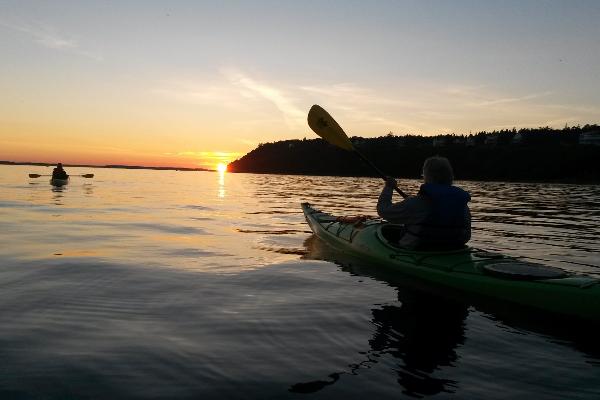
<point>539,155</point>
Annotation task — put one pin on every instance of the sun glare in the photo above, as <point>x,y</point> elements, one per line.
<point>221,167</point>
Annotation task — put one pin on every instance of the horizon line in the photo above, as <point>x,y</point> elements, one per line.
<point>118,166</point>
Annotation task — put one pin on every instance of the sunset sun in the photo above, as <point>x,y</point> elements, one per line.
<point>221,167</point>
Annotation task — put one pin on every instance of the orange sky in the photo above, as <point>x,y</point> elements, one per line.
<point>206,82</point>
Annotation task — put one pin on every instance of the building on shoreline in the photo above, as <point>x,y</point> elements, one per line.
<point>590,138</point>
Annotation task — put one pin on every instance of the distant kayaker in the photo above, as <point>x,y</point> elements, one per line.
<point>437,217</point>
<point>59,172</point>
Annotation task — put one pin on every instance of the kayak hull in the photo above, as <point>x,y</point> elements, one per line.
<point>59,182</point>
<point>467,270</point>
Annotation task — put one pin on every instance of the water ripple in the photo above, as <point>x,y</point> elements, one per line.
<point>163,284</point>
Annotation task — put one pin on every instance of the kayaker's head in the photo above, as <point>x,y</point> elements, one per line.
<point>59,165</point>
<point>438,170</point>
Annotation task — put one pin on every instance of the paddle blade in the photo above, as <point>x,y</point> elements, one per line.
<point>88,175</point>
<point>34,175</point>
<point>325,126</point>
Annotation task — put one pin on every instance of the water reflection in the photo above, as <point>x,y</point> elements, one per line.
<point>221,192</point>
<point>88,189</point>
<point>57,194</point>
<point>159,272</point>
<point>412,335</point>
<point>421,332</point>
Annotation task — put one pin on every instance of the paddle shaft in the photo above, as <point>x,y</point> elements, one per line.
<point>381,174</point>
<point>40,175</point>
<point>323,124</point>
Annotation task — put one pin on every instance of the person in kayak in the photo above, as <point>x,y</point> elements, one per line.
<point>59,172</point>
<point>438,217</point>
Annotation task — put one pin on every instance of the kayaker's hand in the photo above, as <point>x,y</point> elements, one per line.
<point>391,182</point>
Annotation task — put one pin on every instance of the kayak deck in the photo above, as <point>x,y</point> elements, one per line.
<point>59,182</point>
<point>467,269</point>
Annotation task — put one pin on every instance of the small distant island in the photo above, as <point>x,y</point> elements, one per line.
<point>570,155</point>
<point>103,166</point>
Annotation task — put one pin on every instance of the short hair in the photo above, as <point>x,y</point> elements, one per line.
<point>437,169</point>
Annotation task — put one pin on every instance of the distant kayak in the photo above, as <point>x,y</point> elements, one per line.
<point>59,182</point>
<point>467,270</point>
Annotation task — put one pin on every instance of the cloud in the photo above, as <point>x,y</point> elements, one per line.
<point>236,90</point>
<point>50,38</point>
<point>462,90</point>
<point>293,115</point>
<point>354,95</point>
<point>199,92</point>
<point>436,107</point>
<point>363,106</point>
<point>213,156</point>
<point>55,42</point>
<point>553,122</point>
<point>511,99</point>
<point>416,107</point>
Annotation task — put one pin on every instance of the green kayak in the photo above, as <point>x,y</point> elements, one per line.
<point>59,182</point>
<point>467,270</point>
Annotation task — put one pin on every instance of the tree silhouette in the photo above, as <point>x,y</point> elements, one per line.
<point>532,154</point>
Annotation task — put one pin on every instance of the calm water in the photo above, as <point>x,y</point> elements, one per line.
<point>166,284</point>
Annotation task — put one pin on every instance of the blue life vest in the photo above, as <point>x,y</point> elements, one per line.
<point>447,225</point>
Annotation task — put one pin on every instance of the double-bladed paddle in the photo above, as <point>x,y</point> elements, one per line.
<point>83,175</point>
<point>326,127</point>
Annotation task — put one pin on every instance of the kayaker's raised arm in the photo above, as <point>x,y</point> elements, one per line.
<point>406,211</point>
<point>385,198</point>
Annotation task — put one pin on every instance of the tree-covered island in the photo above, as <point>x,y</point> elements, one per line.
<point>571,154</point>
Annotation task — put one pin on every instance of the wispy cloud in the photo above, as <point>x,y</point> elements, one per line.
<point>410,107</point>
<point>201,92</point>
<point>434,107</point>
<point>353,95</point>
<point>552,123</point>
<point>235,90</point>
<point>363,106</point>
<point>207,156</point>
<point>506,100</point>
<point>50,38</point>
<point>293,115</point>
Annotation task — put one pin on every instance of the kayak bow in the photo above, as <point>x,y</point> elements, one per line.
<point>59,182</point>
<point>467,270</point>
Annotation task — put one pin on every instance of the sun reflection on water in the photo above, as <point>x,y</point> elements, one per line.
<point>221,191</point>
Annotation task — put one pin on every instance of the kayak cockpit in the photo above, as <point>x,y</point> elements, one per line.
<point>390,234</point>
